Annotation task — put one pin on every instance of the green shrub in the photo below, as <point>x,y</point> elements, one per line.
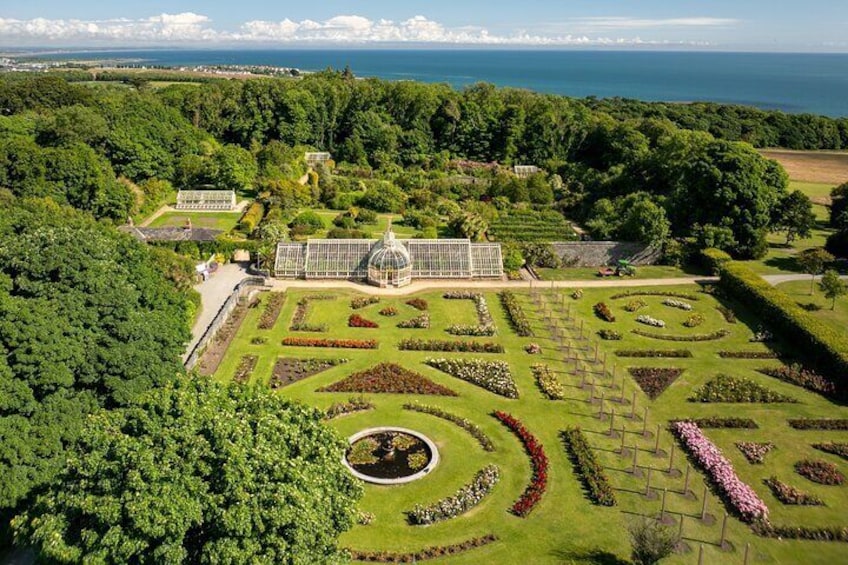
<point>825,347</point>
<point>306,223</point>
<point>251,217</point>
<point>714,259</point>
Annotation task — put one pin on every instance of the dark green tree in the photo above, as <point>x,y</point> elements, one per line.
<point>198,473</point>
<point>794,215</point>
<point>813,262</point>
<point>832,286</point>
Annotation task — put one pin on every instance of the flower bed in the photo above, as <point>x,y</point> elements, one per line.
<point>272,310</point>
<point>287,370</point>
<point>654,380</point>
<point>577,294</point>
<point>538,462</point>
<point>747,355</point>
<point>603,312</point>
<point>332,343</point>
<point>820,472</point>
<point>353,404</point>
<point>840,449</point>
<point>658,353</point>
<point>464,500</point>
<point>672,294</point>
<point>833,533</point>
<point>388,378</point>
<point>729,315</point>
<point>485,324</point>
<point>715,422</point>
<point>463,423</point>
<point>358,302</point>
<point>494,376</point>
<point>357,321</point>
<point>650,321</point>
<point>739,495</point>
<point>245,368</point>
<point>548,383</point>
<point>679,304</point>
<point>788,494</point>
<point>635,305</point>
<point>516,314</point>
<point>464,346</point>
<point>819,424</point>
<point>533,349</point>
<point>725,388</point>
<point>754,452</point>
<point>417,303</point>
<point>797,375</point>
<point>389,311</point>
<point>299,320</point>
<point>609,335</point>
<point>419,322</point>
<point>588,467</point>
<point>422,555</point>
<point>697,337</point>
<point>694,321</point>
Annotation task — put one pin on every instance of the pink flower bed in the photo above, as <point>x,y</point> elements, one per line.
<point>741,496</point>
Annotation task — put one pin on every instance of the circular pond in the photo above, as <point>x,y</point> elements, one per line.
<point>390,456</point>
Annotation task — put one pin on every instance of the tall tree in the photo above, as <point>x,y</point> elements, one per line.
<point>832,286</point>
<point>198,473</point>
<point>794,215</point>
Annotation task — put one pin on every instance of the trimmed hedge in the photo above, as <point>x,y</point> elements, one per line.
<point>251,217</point>
<point>714,259</point>
<point>826,348</point>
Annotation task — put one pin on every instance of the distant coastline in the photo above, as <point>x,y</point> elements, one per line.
<point>792,82</point>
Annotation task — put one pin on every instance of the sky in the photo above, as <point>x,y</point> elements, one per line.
<point>755,25</point>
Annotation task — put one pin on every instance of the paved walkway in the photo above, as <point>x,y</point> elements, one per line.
<point>213,293</point>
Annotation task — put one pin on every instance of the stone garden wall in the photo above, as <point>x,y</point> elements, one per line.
<point>600,253</point>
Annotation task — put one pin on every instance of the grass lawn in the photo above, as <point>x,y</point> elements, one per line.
<point>800,291</point>
<point>216,220</point>
<point>375,230</point>
<point>565,527</point>
<point>591,273</point>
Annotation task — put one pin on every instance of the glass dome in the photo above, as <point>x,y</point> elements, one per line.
<point>390,263</point>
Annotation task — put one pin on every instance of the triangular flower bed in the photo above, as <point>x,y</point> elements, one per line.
<point>388,378</point>
<point>287,371</point>
<point>654,380</point>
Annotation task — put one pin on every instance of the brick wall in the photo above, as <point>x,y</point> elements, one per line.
<point>600,253</point>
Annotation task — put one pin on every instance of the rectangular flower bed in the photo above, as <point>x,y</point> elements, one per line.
<point>332,343</point>
<point>465,346</point>
<point>516,314</point>
<point>738,495</point>
<point>658,353</point>
<point>725,388</point>
<point>819,424</point>
<point>548,382</point>
<point>797,375</point>
<point>272,310</point>
<point>588,467</point>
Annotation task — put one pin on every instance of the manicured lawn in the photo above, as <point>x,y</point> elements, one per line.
<point>565,526</point>
<point>216,220</point>
<point>591,273</point>
<point>800,291</point>
<point>375,230</point>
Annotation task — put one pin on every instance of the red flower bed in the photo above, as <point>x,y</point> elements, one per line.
<point>357,321</point>
<point>654,380</point>
<point>538,461</point>
<point>388,378</point>
<point>334,343</point>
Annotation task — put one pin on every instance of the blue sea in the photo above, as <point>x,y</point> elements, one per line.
<point>815,83</point>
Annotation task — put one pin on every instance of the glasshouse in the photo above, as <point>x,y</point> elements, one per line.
<point>388,262</point>
<point>206,200</point>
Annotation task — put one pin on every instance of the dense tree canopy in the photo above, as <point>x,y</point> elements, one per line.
<point>198,473</point>
<point>86,319</point>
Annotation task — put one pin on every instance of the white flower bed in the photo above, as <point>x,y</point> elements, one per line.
<point>464,500</point>
<point>491,375</point>
<point>649,321</point>
<point>485,323</point>
<point>677,304</point>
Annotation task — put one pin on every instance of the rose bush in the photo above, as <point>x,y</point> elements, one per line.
<point>538,462</point>
<point>464,500</point>
<point>494,376</point>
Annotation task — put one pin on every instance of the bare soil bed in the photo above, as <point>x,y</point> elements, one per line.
<point>812,166</point>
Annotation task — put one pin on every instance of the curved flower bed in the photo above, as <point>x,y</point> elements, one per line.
<point>588,467</point>
<point>463,423</point>
<point>516,314</point>
<point>332,343</point>
<point>738,494</point>
<point>494,376</point>
<point>679,304</point>
<point>538,461</point>
<point>673,294</point>
<point>422,555</point>
<point>464,500</point>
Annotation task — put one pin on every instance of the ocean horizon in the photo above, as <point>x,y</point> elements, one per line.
<point>814,83</point>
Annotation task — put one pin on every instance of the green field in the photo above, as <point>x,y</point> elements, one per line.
<point>215,220</point>
<point>800,291</point>
<point>565,527</point>
<point>642,272</point>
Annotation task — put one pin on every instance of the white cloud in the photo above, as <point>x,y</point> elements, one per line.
<point>189,27</point>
